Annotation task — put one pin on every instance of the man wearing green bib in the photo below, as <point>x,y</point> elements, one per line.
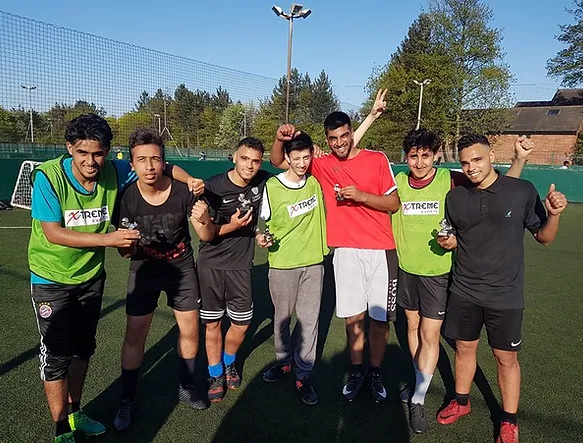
<point>72,203</point>
<point>293,210</point>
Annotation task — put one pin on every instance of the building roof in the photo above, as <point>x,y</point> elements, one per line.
<point>546,120</point>
<point>563,97</point>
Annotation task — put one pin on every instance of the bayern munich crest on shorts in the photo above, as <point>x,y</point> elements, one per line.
<point>45,310</point>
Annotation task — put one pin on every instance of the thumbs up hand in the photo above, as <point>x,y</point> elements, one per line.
<point>555,202</point>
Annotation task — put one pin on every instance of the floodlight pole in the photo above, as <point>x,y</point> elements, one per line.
<point>159,126</point>
<point>295,11</point>
<point>30,89</point>
<point>422,84</point>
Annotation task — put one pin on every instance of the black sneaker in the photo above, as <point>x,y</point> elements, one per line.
<point>276,372</point>
<point>352,388</point>
<point>189,395</point>
<point>375,383</point>
<point>123,418</point>
<point>417,419</point>
<point>405,393</point>
<point>216,390</point>
<point>307,391</point>
<point>233,378</point>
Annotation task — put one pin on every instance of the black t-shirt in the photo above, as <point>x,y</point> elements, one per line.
<point>233,251</point>
<point>489,224</point>
<point>164,229</point>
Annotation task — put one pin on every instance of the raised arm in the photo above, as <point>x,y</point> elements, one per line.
<point>277,156</point>
<point>376,111</point>
<point>555,203</point>
<point>523,146</point>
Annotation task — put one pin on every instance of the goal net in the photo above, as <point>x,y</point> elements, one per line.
<point>22,195</point>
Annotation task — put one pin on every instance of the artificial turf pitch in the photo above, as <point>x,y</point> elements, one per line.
<point>552,365</point>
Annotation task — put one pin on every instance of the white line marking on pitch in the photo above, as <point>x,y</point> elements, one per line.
<point>15,227</point>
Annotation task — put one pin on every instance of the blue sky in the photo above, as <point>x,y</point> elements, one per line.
<point>345,38</point>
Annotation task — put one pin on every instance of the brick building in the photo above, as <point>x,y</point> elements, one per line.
<point>554,127</point>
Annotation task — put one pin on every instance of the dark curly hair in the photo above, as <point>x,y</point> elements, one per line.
<point>146,136</point>
<point>421,138</point>
<point>472,139</point>
<point>89,127</point>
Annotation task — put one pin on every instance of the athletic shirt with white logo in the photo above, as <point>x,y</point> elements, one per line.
<point>90,213</point>
<point>298,224</point>
<point>416,224</point>
<point>233,251</point>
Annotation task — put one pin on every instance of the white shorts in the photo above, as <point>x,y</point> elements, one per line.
<point>366,279</point>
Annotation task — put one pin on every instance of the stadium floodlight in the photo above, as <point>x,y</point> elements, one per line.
<point>296,8</point>
<point>304,13</point>
<point>422,84</point>
<point>296,11</point>
<point>30,89</point>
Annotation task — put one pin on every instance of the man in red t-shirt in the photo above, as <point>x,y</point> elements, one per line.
<point>359,191</point>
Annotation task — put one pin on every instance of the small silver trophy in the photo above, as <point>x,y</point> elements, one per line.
<point>446,228</point>
<point>268,236</point>
<point>337,191</point>
<point>245,206</point>
<point>126,224</point>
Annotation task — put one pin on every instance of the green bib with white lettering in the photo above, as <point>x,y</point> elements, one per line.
<point>416,224</point>
<point>298,224</point>
<point>89,213</point>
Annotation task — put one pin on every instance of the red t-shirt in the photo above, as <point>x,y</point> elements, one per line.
<point>350,224</point>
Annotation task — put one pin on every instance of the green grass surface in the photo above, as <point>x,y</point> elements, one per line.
<point>552,363</point>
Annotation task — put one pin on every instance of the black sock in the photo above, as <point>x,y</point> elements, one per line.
<point>73,407</point>
<point>510,418</point>
<point>62,427</point>
<point>358,368</point>
<point>462,399</point>
<point>186,371</point>
<point>129,382</point>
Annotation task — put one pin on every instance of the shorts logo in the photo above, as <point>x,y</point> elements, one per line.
<point>515,344</point>
<point>441,313</point>
<point>302,207</point>
<point>420,208</point>
<point>86,217</point>
<point>45,310</point>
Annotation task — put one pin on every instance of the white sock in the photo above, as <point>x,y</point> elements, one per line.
<point>422,382</point>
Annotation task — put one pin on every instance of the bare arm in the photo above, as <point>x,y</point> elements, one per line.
<point>58,235</point>
<point>277,157</point>
<point>523,146</point>
<point>235,223</point>
<point>201,221</point>
<point>384,203</point>
<point>195,185</point>
<point>555,203</point>
<point>376,111</point>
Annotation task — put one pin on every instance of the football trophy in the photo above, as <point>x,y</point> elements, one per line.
<point>126,224</point>
<point>337,191</point>
<point>446,228</point>
<point>268,236</point>
<point>245,205</point>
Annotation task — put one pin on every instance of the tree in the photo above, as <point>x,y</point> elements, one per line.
<point>481,79</point>
<point>324,100</point>
<point>567,65</point>
<point>232,127</point>
<point>453,45</point>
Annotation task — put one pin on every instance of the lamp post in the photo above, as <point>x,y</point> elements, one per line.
<point>30,89</point>
<point>159,126</point>
<point>296,11</point>
<point>422,84</point>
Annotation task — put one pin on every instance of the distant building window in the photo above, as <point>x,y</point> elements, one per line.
<point>553,112</point>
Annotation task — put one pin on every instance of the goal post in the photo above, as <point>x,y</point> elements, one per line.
<point>22,194</point>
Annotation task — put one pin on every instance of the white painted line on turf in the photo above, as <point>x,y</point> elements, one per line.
<point>15,227</point>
